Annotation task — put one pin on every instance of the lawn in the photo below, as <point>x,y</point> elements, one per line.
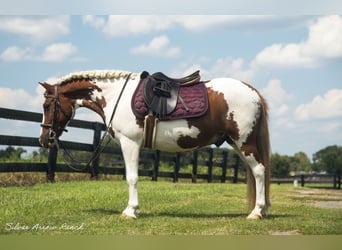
<point>94,208</point>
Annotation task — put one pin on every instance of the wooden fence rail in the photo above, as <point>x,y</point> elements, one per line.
<point>150,160</point>
<point>216,158</point>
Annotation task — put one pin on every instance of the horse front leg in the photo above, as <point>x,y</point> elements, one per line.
<point>130,151</point>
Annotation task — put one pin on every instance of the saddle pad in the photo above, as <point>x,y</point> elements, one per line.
<point>195,97</point>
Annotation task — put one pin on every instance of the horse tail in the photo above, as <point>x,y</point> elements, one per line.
<point>264,149</point>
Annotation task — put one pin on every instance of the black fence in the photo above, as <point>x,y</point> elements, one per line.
<point>207,164</point>
<point>305,179</point>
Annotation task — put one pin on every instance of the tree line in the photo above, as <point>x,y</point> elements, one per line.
<point>328,160</point>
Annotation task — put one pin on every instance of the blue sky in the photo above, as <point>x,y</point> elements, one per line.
<point>294,60</point>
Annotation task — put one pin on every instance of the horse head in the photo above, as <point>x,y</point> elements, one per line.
<point>58,111</point>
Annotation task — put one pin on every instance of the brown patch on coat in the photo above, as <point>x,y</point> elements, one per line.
<point>214,125</point>
<point>253,145</point>
<point>102,102</point>
<point>83,89</point>
<point>139,122</point>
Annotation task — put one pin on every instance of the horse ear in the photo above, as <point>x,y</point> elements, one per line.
<point>45,85</point>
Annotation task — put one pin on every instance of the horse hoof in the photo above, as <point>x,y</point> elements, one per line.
<point>254,217</point>
<point>127,217</point>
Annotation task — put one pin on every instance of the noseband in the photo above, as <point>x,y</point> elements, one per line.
<point>57,104</point>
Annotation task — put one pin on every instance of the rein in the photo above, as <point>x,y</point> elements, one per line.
<point>98,150</point>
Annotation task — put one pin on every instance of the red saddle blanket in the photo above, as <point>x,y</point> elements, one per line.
<point>194,96</point>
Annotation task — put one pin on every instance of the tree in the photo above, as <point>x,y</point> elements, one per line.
<point>300,162</point>
<point>280,165</point>
<point>11,152</point>
<point>329,159</point>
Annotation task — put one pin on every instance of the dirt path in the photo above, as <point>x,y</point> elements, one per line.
<point>324,198</point>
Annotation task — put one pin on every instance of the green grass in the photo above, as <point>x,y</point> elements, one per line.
<point>94,208</point>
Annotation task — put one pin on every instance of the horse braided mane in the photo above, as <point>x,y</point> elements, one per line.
<point>95,75</point>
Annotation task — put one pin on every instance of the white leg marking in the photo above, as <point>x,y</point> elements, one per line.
<point>259,174</point>
<point>130,150</point>
<point>258,171</point>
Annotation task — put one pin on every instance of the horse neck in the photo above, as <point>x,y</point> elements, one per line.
<point>102,97</point>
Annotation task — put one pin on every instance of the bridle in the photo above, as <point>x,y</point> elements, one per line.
<point>56,105</point>
<point>53,134</point>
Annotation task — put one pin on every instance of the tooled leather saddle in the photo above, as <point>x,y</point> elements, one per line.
<point>170,98</point>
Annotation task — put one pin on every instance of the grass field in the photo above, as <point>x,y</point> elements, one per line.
<point>94,208</point>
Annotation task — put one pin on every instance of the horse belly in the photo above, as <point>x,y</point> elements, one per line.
<point>170,136</point>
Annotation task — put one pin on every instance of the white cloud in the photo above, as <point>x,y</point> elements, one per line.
<point>14,54</point>
<point>205,22</point>
<point>321,107</point>
<point>231,67</point>
<point>56,52</point>
<point>41,28</point>
<point>124,25</point>
<point>289,55</point>
<point>221,67</point>
<point>324,41</point>
<point>158,46</point>
<point>96,22</point>
<point>20,99</point>
<point>325,37</point>
<point>277,97</point>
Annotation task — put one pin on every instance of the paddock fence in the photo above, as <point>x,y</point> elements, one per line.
<point>206,164</point>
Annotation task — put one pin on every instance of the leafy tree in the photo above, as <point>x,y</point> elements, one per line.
<point>280,165</point>
<point>11,152</point>
<point>300,162</point>
<point>329,159</point>
<point>41,154</point>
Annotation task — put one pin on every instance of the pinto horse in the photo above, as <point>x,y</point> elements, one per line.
<point>237,113</point>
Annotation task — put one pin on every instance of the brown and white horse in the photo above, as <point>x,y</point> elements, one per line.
<point>237,114</point>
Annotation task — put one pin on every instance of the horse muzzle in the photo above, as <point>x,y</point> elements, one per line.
<point>48,139</point>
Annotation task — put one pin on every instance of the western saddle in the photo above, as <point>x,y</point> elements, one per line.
<point>161,92</point>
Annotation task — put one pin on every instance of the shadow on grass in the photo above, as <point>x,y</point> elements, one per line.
<point>103,211</point>
<point>208,216</point>
<point>186,215</point>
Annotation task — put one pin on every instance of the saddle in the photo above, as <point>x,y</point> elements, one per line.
<point>161,93</point>
<point>162,98</point>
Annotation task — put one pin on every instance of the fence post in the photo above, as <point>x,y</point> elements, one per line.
<point>176,168</point>
<point>224,166</point>
<point>156,165</point>
<point>51,164</point>
<point>210,165</point>
<point>302,180</point>
<point>96,141</point>
<point>194,166</point>
<point>236,169</point>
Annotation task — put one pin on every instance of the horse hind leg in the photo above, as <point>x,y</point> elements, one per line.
<point>256,188</point>
<point>256,181</point>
